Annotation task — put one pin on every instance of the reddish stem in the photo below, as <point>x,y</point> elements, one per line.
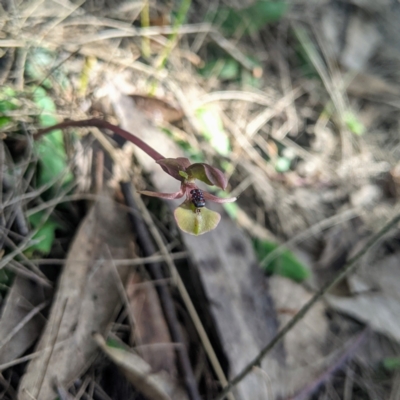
<point>101,124</point>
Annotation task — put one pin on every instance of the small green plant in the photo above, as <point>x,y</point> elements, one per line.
<point>284,264</point>
<point>191,216</point>
<point>391,364</point>
<point>43,239</point>
<point>253,18</point>
<point>8,102</point>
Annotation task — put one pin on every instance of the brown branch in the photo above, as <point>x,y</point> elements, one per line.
<point>350,266</point>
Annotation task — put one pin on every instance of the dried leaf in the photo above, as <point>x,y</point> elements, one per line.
<point>154,386</point>
<point>150,330</point>
<point>156,109</point>
<point>21,300</point>
<point>85,302</point>
<point>305,343</point>
<point>376,299</point>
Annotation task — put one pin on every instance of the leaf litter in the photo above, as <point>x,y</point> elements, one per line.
<point>86,301</point>
<point>345,141</point>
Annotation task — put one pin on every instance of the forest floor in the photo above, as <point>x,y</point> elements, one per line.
<point>296,102</point>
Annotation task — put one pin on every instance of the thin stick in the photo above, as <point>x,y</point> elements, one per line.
<point>350,266</point>
<point>28,357</point>
<point>136,261</point>
<point>36,310</point>
<point>337,365</point>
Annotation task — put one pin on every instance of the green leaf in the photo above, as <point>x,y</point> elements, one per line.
<point>230,70</point>
<point>213,129</point>
<point>284,264</point>
<point>45,235</point>
<point>391,363</point>
<point>115,344</point>
<point>354,124</point>
<point>252,19</point>
<point>50,148</point>
<point>247,79</point>
<point>196,222</point>
<point>225,69</point>
<point>4,121</point>
<point>8,102</point>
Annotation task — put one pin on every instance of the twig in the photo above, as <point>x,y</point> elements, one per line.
<point>8,388</point>
<point>121,289</point>
<point>36,310</point>
<point>313,386</point>
<point>315,229</point>
<point>350,266</point>
<point>155,270</point>
<point>162,58</point>
<point>7,59</point>
<point>29,356</point>
<point>2,216</point>
<point>229,95</point>
<point>137,261</point>
<point>19,218</point>
<point>20,68</point>
<point>266,115</point>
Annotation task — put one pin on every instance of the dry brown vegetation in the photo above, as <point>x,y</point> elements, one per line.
<point>303,119</point>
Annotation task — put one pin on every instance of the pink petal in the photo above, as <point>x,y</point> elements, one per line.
<point>215,199</point>
<point>168,196</point>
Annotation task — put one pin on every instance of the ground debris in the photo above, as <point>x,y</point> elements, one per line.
<point>85,302</point>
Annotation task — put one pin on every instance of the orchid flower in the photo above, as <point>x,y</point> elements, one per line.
<point>192,217</point>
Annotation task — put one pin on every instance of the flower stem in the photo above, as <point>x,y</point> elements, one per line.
<point>101,124</point>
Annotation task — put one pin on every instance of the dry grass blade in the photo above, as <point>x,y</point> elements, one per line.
<point>260,120</point>
<point>90,297</point>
